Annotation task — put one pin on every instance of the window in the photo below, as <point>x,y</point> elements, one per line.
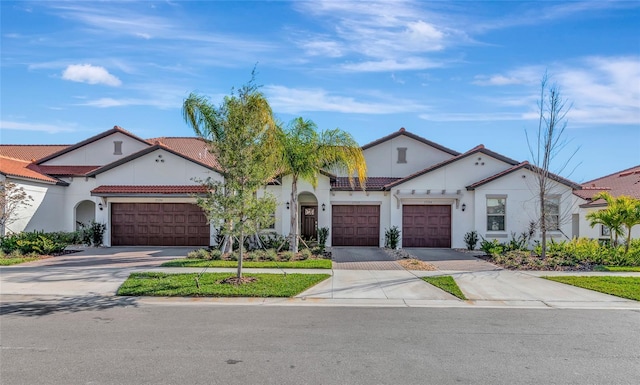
<point>402,155</point>
<point>605,231</point>
<point>117,147</point>
<point>496,210</point>
<point>552,212</point>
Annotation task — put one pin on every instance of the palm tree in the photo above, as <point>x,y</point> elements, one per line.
<point>612,217</point>
<point>305,152</point>
<point>630,212</point>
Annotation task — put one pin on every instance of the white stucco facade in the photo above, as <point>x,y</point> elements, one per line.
<point>403,170</point>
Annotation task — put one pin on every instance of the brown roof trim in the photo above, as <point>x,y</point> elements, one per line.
<point>478,149</point>
<point>529,167</point>
<point>143,152</point>
<point>404,132</point>
<point>148,190</point>
<point>115,129</point>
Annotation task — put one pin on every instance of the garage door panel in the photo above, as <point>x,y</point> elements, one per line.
<point>355,225</point>
<point>426,226</point>
<point>158,224</point>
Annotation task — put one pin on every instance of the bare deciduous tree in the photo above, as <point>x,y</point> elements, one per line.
<point>544,148</point>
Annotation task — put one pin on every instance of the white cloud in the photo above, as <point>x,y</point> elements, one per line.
<point>476,117</point>
<point>87,73</point>
<point>323,48</point>
<point>601,90</point>
<point>42,127</point>
<point>376,34</point>
<point>410,63</point>
<point>292,100</point>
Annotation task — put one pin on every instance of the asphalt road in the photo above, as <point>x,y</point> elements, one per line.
<point>124,342</point>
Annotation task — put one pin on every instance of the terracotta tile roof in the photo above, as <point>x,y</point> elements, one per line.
<point>341,183</point>
<point>24,169</point>
<point>404,132</point>
<point>30,152</point>
<point>149,190</point>
<point>67,170</point>
<point>191,147</point>
<point>519,166</point>
<point>625,182</point>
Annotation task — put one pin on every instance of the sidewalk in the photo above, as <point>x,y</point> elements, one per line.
<point>372,288</point>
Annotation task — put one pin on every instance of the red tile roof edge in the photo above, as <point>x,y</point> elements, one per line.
<point>149,189</point>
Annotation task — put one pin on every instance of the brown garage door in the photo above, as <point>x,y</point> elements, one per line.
<point>158,224</point>
<point>426,226</point>
<point>355,225</point>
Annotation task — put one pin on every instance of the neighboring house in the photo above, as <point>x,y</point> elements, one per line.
<point>625,182</point>
<point>144,190</point>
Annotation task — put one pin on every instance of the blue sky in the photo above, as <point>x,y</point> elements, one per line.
<point>457,73</point>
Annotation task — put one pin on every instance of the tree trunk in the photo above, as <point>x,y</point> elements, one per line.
<point>543,224</point>
<point>293,230</point>
<point>241,253</point>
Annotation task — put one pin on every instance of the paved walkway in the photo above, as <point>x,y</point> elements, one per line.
<point>451,260</point>
<point>94,273</point>
<point>362,258</point>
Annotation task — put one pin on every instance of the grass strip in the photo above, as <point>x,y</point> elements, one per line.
<point>15,261</point>
<point>184,285</point>
<point>617,268</point>
<point>625,287</point>
<point>306,264</point>
<point>446,283</point>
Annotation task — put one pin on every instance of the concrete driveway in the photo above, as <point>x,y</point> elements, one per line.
<point>362,258</point>
<point>93,271</point>
<point>451,260</point>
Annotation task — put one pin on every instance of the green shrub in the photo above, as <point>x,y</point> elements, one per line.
<point>37,242</point>
<point>286,256</point>
<point>305,254</point>
<point>471,239</point>
<point>323,234</point>
<point>270,255</point>
<point>392,237</point>
<point>492,247</point>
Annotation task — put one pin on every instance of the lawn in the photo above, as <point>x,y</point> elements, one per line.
<point>14,261</point>
<point>184,285</point>
<point>625,287</point>
<point>306,264</point>
<point>446,283</point>
<point>617,268</point>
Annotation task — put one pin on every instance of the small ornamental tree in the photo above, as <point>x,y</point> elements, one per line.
<point>240,134</point>
<point>544,147</point>
<point>12,199</point>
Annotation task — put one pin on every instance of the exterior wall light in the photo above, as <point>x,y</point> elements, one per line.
<point>100,206</point>
<point>323,207</point>
<point>287,205</point>
<point>464,206</point>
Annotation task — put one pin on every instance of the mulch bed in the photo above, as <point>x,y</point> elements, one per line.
<point>238,281</point>
<point>543,267</point>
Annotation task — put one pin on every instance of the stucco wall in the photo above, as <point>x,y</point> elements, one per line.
<point>522,206</point>
<point>382,160</point>
<point>44,212</point>
<point>100,152</point>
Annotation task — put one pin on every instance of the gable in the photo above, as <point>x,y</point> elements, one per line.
<point>156,166</point>
<point>101,149</point>
<point>401,156</point>
<point>455,173</point>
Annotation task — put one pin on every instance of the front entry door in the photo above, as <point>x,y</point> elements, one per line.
<point>309,222</point>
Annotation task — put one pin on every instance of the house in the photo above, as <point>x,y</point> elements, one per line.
<point>625,182</point>
<point>144,191</point>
